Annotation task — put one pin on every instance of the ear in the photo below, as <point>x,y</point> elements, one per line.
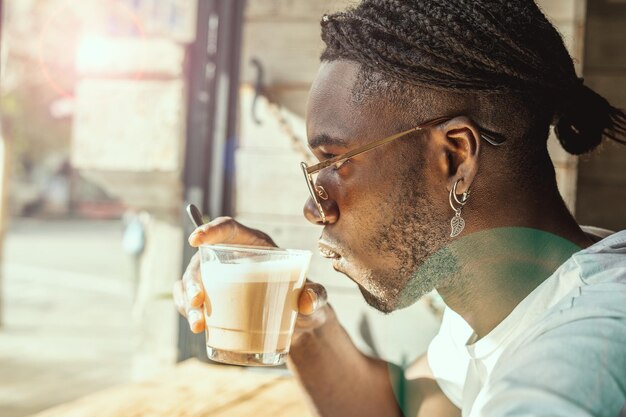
<point>461,142</point>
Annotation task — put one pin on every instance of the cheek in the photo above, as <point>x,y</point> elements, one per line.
<point>370,191</point>
<point>367,204</point>
<point>436,166</point>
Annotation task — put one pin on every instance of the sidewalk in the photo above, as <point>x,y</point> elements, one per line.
<point>67,288</point>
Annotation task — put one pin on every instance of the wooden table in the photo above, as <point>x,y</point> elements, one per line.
<point>194,389</point>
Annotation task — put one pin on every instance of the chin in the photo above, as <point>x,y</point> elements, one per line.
<point>380,304</point>
<point>384,298</point>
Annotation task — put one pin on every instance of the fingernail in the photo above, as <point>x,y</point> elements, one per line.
<point>314,298</point>
<point>193,316</point>
<point>192,289</point>
<point>195,234</point>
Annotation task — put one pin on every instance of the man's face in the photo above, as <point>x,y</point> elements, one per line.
<point>387,208</point>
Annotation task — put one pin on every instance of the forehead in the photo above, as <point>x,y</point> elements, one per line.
<point>330,108</point>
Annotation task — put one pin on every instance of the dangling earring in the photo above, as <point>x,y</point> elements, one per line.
<point>457,224</point>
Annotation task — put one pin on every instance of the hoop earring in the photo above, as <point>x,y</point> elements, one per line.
<point>457,224</point>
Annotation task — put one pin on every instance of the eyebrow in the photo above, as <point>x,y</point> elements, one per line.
<point>326,140</point>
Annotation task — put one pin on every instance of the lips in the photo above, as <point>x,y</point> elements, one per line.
<point>327,251</point>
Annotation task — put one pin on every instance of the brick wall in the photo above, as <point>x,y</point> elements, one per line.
<point>569,18</point>
<point>601,197</point>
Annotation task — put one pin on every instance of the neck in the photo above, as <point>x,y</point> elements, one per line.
<point>506,257</point>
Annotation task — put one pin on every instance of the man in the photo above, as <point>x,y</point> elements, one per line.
<point>430,119</point>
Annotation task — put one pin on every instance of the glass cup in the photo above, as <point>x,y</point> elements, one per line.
<point>251,302</point>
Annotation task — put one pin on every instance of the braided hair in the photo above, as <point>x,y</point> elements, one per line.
<point>482,47</point>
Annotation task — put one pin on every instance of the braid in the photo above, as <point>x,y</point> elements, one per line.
<point>479,47</point>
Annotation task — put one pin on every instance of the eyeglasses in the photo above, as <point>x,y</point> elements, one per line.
<point>318,192</point>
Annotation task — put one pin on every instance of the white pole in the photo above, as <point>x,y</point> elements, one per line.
<point>5,153</point>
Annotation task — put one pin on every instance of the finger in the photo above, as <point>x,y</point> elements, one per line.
<point>227,230</point>
<point>195,319</point>
<point>312,298</point>
<point>179,298</point>
<point>192,283</point>
<point>194,316</point>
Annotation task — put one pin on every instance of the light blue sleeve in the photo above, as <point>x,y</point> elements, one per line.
<point>576,369</point>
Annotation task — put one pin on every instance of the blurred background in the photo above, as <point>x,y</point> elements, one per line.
<point>115,114</point>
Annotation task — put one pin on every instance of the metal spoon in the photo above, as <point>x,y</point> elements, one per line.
<point>195,215</point>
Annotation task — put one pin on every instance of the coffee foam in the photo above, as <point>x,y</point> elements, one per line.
<point>249,271</point>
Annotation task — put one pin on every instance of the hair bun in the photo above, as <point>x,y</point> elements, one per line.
<point>584,118</point>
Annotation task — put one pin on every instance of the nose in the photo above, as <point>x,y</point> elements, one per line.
<point>313,215</point>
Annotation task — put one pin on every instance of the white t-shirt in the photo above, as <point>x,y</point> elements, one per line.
<point>561,351</point>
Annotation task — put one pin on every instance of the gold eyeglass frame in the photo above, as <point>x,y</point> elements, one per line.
<point>318,192</point>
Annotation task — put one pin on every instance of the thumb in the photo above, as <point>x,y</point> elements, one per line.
<point>312,298</point>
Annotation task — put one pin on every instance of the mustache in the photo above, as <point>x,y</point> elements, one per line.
<point>335,245</point>
<point>330,240</point>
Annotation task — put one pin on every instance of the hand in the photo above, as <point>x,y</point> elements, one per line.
<point>189,292</point>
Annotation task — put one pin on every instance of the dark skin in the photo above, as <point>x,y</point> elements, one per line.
<point>381,245</point>
<point>452,151</point>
